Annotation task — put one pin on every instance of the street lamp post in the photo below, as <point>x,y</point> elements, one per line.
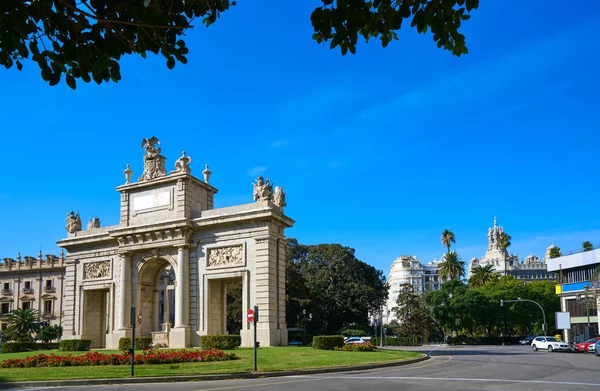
<point>544,328</point>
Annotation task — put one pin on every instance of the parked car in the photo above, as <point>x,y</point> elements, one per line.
<point>597,348</point>
<point>355,340</point>
<point>549,343</point>
<point>583,346</point>
<point>592,348</point>
<point>527,340</point>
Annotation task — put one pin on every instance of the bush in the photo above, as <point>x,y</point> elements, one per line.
<point>14,347</point>
<point>141,343</point>
<point>328,342</point>
<point>75,345</point>
<point>222,341</point>
<point>397,341</point>
<point>96,358</point>
<point>352,332</point>
<point>356,347</point>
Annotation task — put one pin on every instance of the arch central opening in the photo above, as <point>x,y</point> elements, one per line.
<point>155,293</point>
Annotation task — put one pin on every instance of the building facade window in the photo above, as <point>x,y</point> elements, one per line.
<point>47,307</point>
<point>5,308</point>
<point>26,305</point>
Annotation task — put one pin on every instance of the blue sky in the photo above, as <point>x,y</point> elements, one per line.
<point>380,151</point>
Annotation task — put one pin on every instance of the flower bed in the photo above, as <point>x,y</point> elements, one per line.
<point>356,347</point>
<point>96,358</point>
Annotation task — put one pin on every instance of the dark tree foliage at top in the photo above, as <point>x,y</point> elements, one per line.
<point>86,39</point>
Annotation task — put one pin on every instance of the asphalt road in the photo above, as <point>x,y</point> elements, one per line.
<point>450,368</point>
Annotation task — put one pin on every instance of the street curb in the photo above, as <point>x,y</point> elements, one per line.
<point>228,376</point>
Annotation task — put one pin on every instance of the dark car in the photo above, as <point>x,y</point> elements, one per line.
<point>527,340</point>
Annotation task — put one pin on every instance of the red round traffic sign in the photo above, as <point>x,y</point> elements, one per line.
<point>250,315</point>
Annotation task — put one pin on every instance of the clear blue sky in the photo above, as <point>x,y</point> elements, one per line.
<point>380,151</point>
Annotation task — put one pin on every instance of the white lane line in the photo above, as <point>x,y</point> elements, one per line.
<point>458,379</point>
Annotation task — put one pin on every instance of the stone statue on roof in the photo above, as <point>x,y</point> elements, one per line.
<point>154,162</point>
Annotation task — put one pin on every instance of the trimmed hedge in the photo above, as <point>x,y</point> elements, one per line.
<point>464,340</point>
<point>397,341</point>
<point>352,332</point>
<point>328,342</point>
<point>75,345</point>
<point>141,343</point>
<point>221,342</point>
<point>14,347</point>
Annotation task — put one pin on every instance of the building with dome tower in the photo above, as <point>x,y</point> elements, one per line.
<point>531,268</point>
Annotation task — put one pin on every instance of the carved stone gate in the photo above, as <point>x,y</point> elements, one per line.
<point>172,254</point>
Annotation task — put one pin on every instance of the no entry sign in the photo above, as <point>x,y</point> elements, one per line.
<point>250,315</point>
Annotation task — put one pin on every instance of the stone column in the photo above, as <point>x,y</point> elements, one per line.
<point>182,310</point>
<point>125,292</point>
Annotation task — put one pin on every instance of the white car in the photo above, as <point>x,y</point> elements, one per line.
<point>549,343</point>
<point>592,348</point>
<point>354,340</point>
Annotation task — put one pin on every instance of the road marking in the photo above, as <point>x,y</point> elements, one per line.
<point>263,384</point>
<point>458,379</point>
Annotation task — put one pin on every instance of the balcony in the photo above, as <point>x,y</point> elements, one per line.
<point>3,315</point>
<point>49,289</point>
<point>27,290</point>
<point>48,314</point>
<point>6,291</point>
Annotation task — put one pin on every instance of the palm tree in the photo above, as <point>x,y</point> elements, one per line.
<point>587,246</point>
<point>504,240</point>
<point>448,238</point>
<point>452,267</point>
<point>23,322</point>
<point>481,275</point>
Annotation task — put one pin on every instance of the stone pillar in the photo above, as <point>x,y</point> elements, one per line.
<point>181,335</point>
<point>125,293</point>
<point>182,310</point>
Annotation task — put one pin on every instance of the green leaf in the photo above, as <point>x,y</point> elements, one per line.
<point>171,62</point>
<point>147,3</point>
<point>71,82</point>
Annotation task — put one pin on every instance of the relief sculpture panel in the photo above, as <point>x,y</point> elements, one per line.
<point>93,270</point>
<point>226,256</point>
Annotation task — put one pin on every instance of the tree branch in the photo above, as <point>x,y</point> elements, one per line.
<point>112,21</point>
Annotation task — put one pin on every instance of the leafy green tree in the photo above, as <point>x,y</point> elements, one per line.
<point>49,333</point>
<point>452,267</point>
<point>412,313</point>
<point>504,241</point>
<point>587,246</point>
<point>87,39</point>
<point>442,305</point>
<point>481,275</point>
<point>234,306</point>
<point>555,252</point>
<point>23,323</point>
<point>337,289</point>
<point>448,238</point>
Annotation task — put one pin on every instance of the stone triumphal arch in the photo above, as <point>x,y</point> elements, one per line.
<point>171,256</point>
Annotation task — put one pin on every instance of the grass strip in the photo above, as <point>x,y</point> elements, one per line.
<point>269,360</point>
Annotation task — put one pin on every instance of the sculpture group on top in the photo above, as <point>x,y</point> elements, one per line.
<point>73,222</point>
<point>263,191</point>
<point>154,162</point>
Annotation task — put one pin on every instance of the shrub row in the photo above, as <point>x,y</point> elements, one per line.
<point>464,340</point>
<point>352,332</point>
<point>75,345</point>
<point>328,342</point>
<point>95,358</point>
<point>224,342</point>
<point>356,347</point>
<point>14,347</point>
<point>397,341</point>
<point>141,343</point>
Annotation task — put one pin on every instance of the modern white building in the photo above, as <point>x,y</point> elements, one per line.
<point>579,291</point>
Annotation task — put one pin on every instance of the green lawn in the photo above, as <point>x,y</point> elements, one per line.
<point>269,359</point>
